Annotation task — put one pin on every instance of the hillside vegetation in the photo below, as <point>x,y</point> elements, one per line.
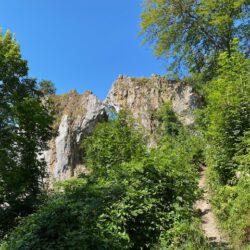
<point>133,196</point>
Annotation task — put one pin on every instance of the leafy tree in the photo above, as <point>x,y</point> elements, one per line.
<point>168,121</point>
<point>193,32</point>
<point>25,127</point>
<point>113,143</point>
<point>47,87</point>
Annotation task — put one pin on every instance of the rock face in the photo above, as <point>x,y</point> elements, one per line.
<point>143,96</point>
<point>77,116</point>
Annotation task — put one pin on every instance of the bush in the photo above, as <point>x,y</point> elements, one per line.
<point>71,220</point>
<point>232,206</point>
<point>113,143</point>
<point>186,234</point>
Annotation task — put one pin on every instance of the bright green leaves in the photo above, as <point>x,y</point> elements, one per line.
<point>193,33</point>
<point>232,83</point>
<point>168,121</point>
<point>11,63</point>
<point>223,15</point>
<point>226,125</point>
<point>155,188</point>
<point>243,154</point>
<point>232,206</point>
<point>113,143</point>
<point>228,110</point>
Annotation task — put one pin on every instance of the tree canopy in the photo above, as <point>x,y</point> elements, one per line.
<point>192,33</point>
<point>47,87</point>
<point>25,127</point>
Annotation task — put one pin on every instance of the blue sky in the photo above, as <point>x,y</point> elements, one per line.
<point>80,44</point>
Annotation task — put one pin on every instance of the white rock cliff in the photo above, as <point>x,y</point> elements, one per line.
<point>77,116</point>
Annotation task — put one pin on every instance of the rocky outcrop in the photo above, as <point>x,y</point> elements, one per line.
<point>143,96</point>
<point>77,116</point>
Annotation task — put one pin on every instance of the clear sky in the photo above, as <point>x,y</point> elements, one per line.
<point>80,44</point>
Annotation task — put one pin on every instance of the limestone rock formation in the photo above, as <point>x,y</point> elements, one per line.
<point>143,96</point>
<point>77,115</point>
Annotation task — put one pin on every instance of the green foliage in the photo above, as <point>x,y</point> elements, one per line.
<point>171,130</point>
<point>193,33</point>
<point>169,123</point>
<point>47,87</point>
<point>226,125</point>
<point>127,210</point>
<point>142,81</point>
<point>232,206</point>
<point>25,127</point>
<point>227,115</point>
<point>197,82</point>
<point>129,201</point>
<point>135,197</point>
<point>113,143</point>
<point>11,64</point>
<point>242,156</point>
<point>185,234</point>
<point>71,219</point>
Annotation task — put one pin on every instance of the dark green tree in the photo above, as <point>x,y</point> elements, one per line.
<point>168,121</point>
<point>193,32</point>
<point>47,87</point>
<point>25,127</point>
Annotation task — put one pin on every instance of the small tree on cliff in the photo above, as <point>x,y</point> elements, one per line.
<point>25,127</point>
<point>47,87</point>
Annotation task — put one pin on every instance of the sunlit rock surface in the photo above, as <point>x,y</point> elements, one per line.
<point>76,117</point>
<point>143,96</point>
